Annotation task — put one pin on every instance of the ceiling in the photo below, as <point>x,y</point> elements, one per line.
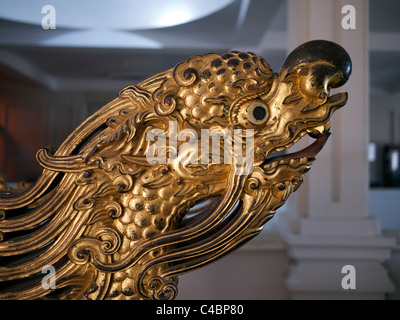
<point>110,46</point>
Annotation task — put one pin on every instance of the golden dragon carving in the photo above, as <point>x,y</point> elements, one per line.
<point>175,173</point>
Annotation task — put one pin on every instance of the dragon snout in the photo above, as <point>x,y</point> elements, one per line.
<point>323,63</point>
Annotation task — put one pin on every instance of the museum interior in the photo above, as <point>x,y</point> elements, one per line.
<point>61,63</point>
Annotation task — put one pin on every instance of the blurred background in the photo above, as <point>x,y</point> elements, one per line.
<point>59,64</point>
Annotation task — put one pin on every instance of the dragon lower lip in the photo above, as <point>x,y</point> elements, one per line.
<point>309,152</point>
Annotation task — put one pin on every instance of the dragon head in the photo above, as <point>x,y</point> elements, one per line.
<point>175,173</point>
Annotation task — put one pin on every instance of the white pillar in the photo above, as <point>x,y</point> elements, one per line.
<point>331,207</point>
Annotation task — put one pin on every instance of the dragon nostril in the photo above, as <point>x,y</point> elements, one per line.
<point>254,186</point>
<point>282,186</point>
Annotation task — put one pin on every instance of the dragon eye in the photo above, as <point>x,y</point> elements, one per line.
<point>257,112</point>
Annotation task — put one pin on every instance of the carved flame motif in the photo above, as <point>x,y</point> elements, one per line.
<point>117,226</point>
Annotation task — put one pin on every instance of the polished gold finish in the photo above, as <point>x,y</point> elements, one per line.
<point>115,225</point>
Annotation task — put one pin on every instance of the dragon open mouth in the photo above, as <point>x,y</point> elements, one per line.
<point>309,152</point>
<point>320,133</point>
